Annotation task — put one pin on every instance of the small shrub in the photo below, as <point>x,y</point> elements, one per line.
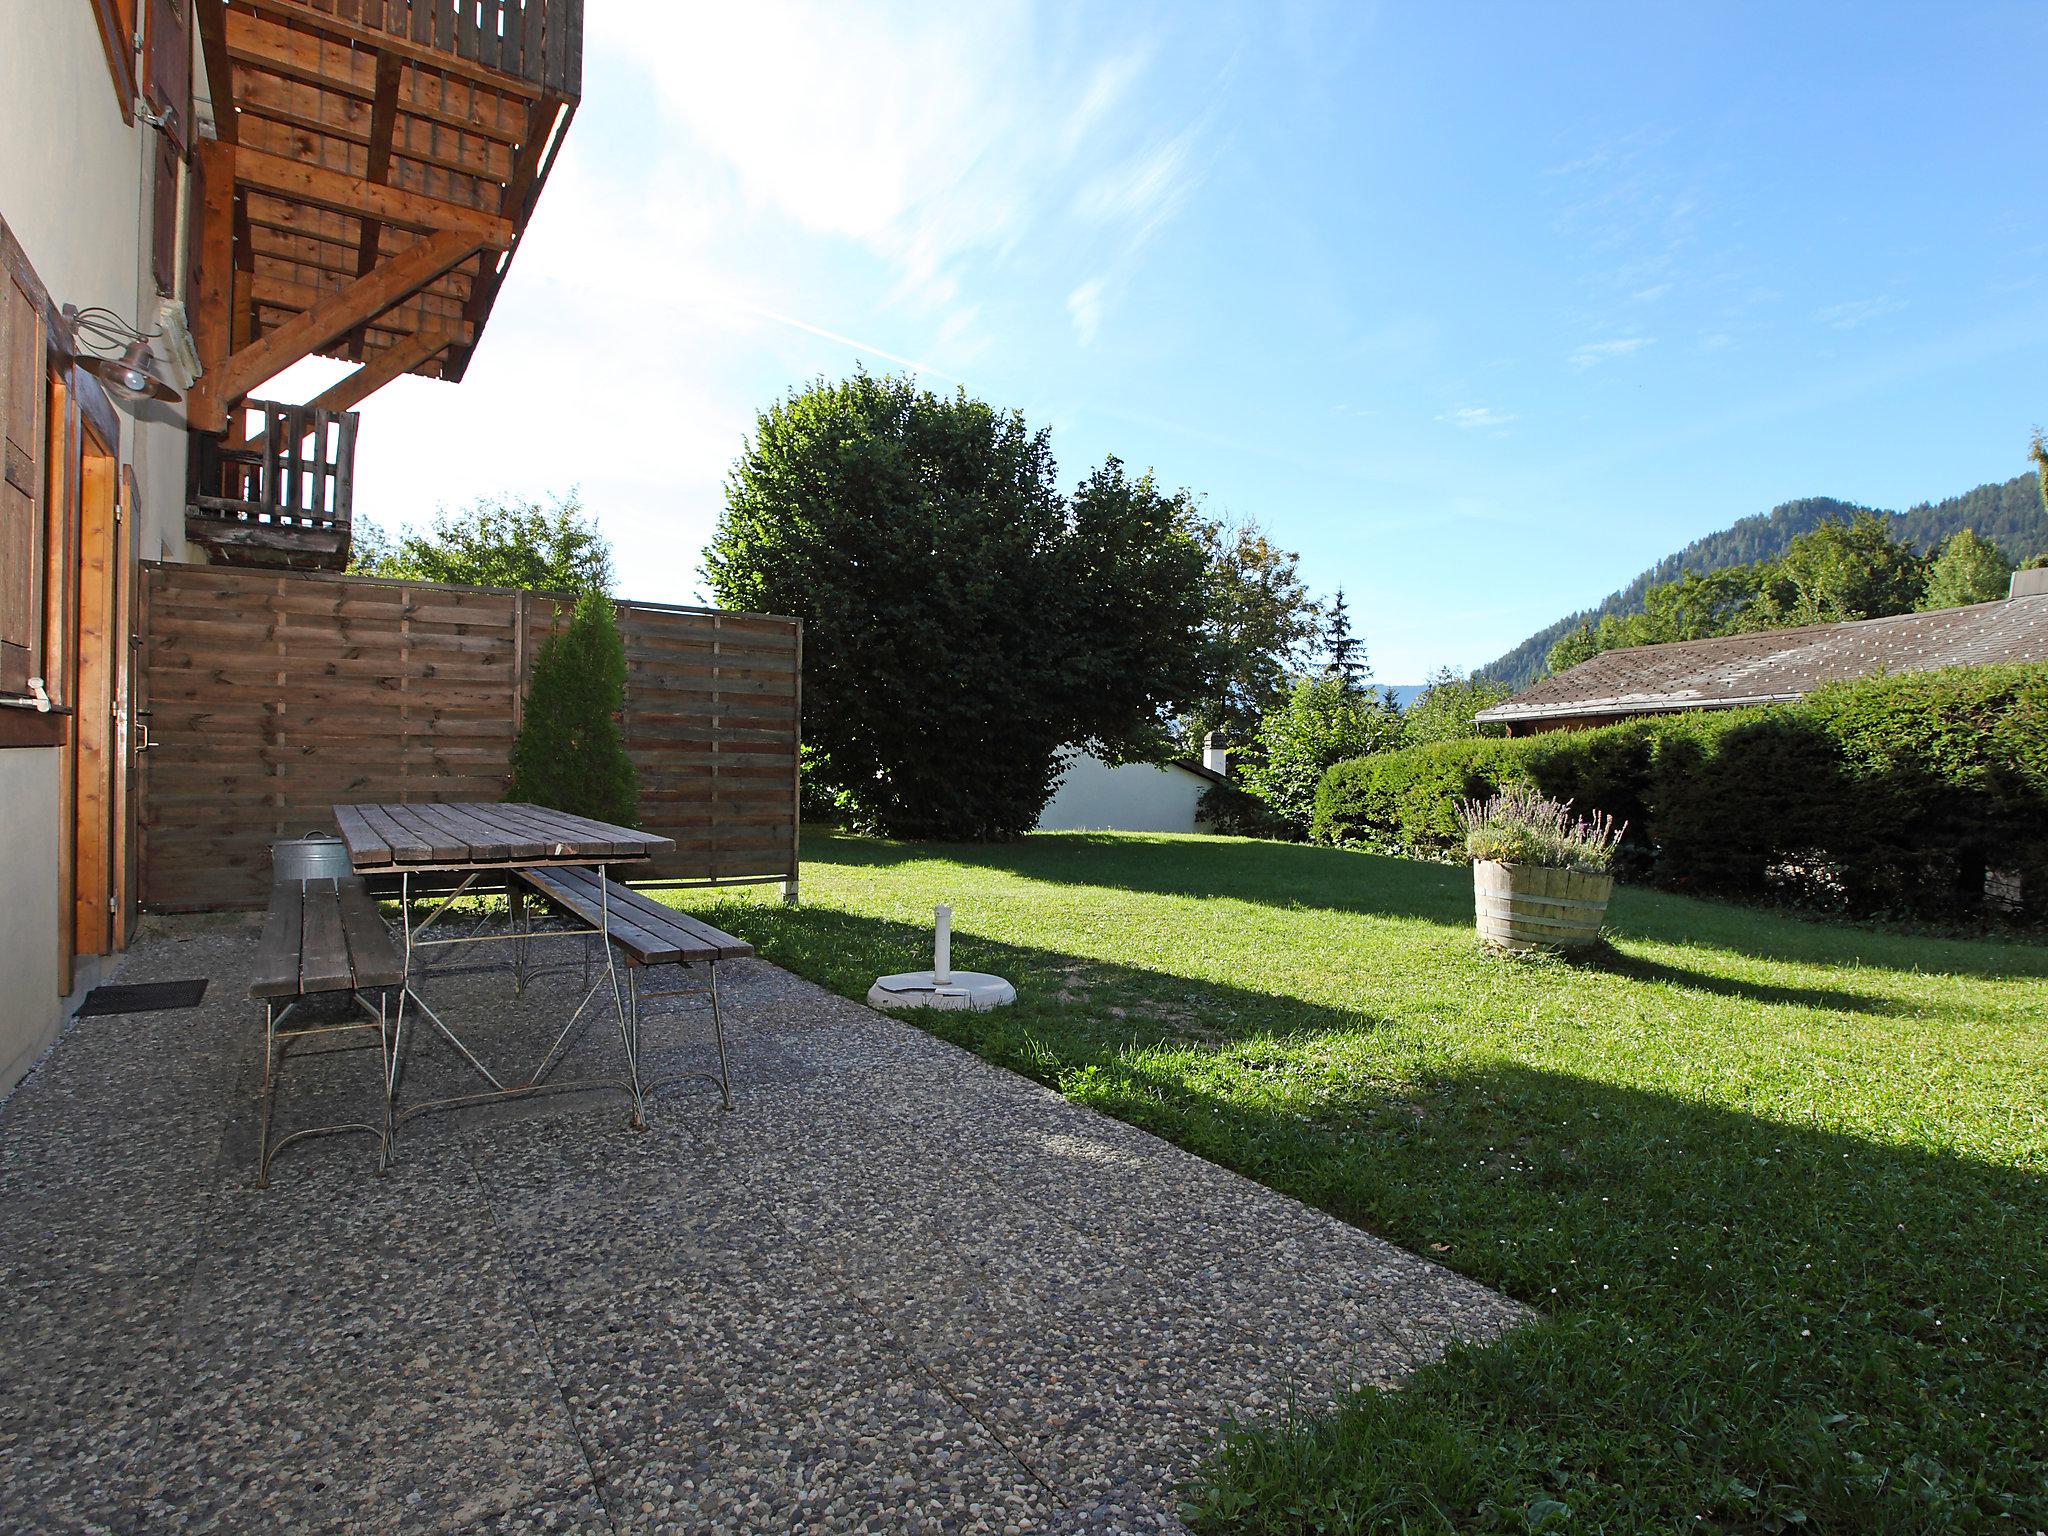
<point>569,755</point>
<point>1520,825</point>
<point>1231,812</point>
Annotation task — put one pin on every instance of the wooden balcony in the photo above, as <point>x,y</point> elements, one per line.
<point>374,168</point>
<point>282,497</point>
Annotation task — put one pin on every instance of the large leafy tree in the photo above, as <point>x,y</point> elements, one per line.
<point>1967,570</point>
<point>963,621</point>
<point>1261,627</point>
<point>495,542</point>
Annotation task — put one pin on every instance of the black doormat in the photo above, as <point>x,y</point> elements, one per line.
<point>148,997</point>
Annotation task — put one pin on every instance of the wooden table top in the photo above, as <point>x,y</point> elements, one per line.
<point>483,835</point>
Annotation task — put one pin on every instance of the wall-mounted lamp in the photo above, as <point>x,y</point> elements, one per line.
<point>136,374</point>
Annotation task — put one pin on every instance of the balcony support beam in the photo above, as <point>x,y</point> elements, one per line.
<point>362,198</point>
<point>318,327</point>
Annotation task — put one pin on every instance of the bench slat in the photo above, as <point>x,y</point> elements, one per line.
<point>643,945</point>
<point>372,952</point>
<point>650,933</point>
<point>277,955</point>
<point>323,947</point>
<point>727,947</point>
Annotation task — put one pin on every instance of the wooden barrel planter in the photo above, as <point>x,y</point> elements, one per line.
<point>1526,906</point>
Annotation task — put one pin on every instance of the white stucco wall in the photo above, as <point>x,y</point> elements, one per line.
<point>29,1006</point>
<point>75,187</point>
<point>75,190</point>
<point>1136,797</point>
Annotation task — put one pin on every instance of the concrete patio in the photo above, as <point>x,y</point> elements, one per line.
<point>895,1290</point>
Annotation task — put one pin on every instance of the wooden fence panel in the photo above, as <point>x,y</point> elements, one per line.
<point>272,695</point>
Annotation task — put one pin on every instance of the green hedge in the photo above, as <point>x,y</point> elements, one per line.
<point>1891,794</point>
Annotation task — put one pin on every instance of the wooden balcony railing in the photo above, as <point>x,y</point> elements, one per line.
<point>286,497</point>
<point>538,41</point>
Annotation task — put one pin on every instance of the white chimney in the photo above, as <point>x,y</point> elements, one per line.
<point>2032,583</point>
<point>1215,755</point>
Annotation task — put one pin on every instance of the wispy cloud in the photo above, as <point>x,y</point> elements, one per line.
<point>1597,352</point>
<point>1084,308</point>
<point>1854,312</point>
<point>1478,418</point>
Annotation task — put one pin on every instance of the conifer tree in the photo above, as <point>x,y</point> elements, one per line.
<point>1346,651</point>
<point>570,755</point>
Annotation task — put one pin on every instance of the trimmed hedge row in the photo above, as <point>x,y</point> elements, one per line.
<point>1891,794</point>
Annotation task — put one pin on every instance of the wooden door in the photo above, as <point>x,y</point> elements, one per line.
<point>96,807</point>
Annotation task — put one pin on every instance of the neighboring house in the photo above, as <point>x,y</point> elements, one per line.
<point>249,187</point>
<point>1094,796</point>
<point>1777,665</point>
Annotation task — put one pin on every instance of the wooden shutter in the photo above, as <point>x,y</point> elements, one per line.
<point>116,20</point>
<point>167,68</point>
<point>21,408</point>
<point>163,250</point>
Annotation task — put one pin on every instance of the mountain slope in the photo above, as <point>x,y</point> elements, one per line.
<point>2010,515</point>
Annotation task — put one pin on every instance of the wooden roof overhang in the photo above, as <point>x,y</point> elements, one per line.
<point>375,165</point>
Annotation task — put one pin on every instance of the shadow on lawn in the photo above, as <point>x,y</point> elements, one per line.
<point>1770,1325</point>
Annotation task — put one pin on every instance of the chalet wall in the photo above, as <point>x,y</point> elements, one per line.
<point>76,188</point>
<point>30,1004</point>
<point>273,696</point>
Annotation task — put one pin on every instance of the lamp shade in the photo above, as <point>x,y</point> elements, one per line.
<point>134,375</point>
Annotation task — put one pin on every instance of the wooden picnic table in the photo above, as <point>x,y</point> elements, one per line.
<point>479,841</point>
<point>391,838</point>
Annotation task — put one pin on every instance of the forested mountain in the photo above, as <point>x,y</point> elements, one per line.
<point>2010,515</point>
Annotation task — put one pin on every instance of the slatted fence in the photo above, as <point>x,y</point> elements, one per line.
<point>269,696</point>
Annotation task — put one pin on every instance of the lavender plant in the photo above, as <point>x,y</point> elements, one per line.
<point>1521,826</point>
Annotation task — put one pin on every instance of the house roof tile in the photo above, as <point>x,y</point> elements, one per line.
<point>1775,665</point>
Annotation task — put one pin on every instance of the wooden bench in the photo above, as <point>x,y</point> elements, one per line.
<point>320,937</point>
<point>646,934</point>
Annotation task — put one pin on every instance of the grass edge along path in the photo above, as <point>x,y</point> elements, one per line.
<point>1779,1189</point>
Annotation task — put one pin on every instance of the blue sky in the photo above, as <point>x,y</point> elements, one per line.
<point>1481,308</point>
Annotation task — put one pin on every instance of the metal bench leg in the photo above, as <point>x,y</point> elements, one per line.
<point>521,924</point>
<point>387,1045</point>
<point>718,1034</point>
<point>269,1093</point>
<point>629,1031</point>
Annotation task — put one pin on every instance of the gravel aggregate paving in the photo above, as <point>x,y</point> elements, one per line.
<point>894,1290</point>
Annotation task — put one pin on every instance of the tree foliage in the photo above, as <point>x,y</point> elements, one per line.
<point>963,621</point>
<point>1260,627</point>
<point>1968,570</point>
<point>1838,572</point>
<point>1322,722</point>
<point>1447,705</point>
<point>569,754</point>
<point>496,541</point>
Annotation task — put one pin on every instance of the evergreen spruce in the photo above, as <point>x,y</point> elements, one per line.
<point>1346,651</point>
<point>570,756</point>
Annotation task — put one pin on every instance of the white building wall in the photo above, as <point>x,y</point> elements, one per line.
<point>75,188</point>
<point>1135,797</point>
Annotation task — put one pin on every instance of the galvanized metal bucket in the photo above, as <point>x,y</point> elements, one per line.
<point>316,856</point>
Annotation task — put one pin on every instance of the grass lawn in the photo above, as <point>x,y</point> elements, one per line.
<point>1778,1188</point>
